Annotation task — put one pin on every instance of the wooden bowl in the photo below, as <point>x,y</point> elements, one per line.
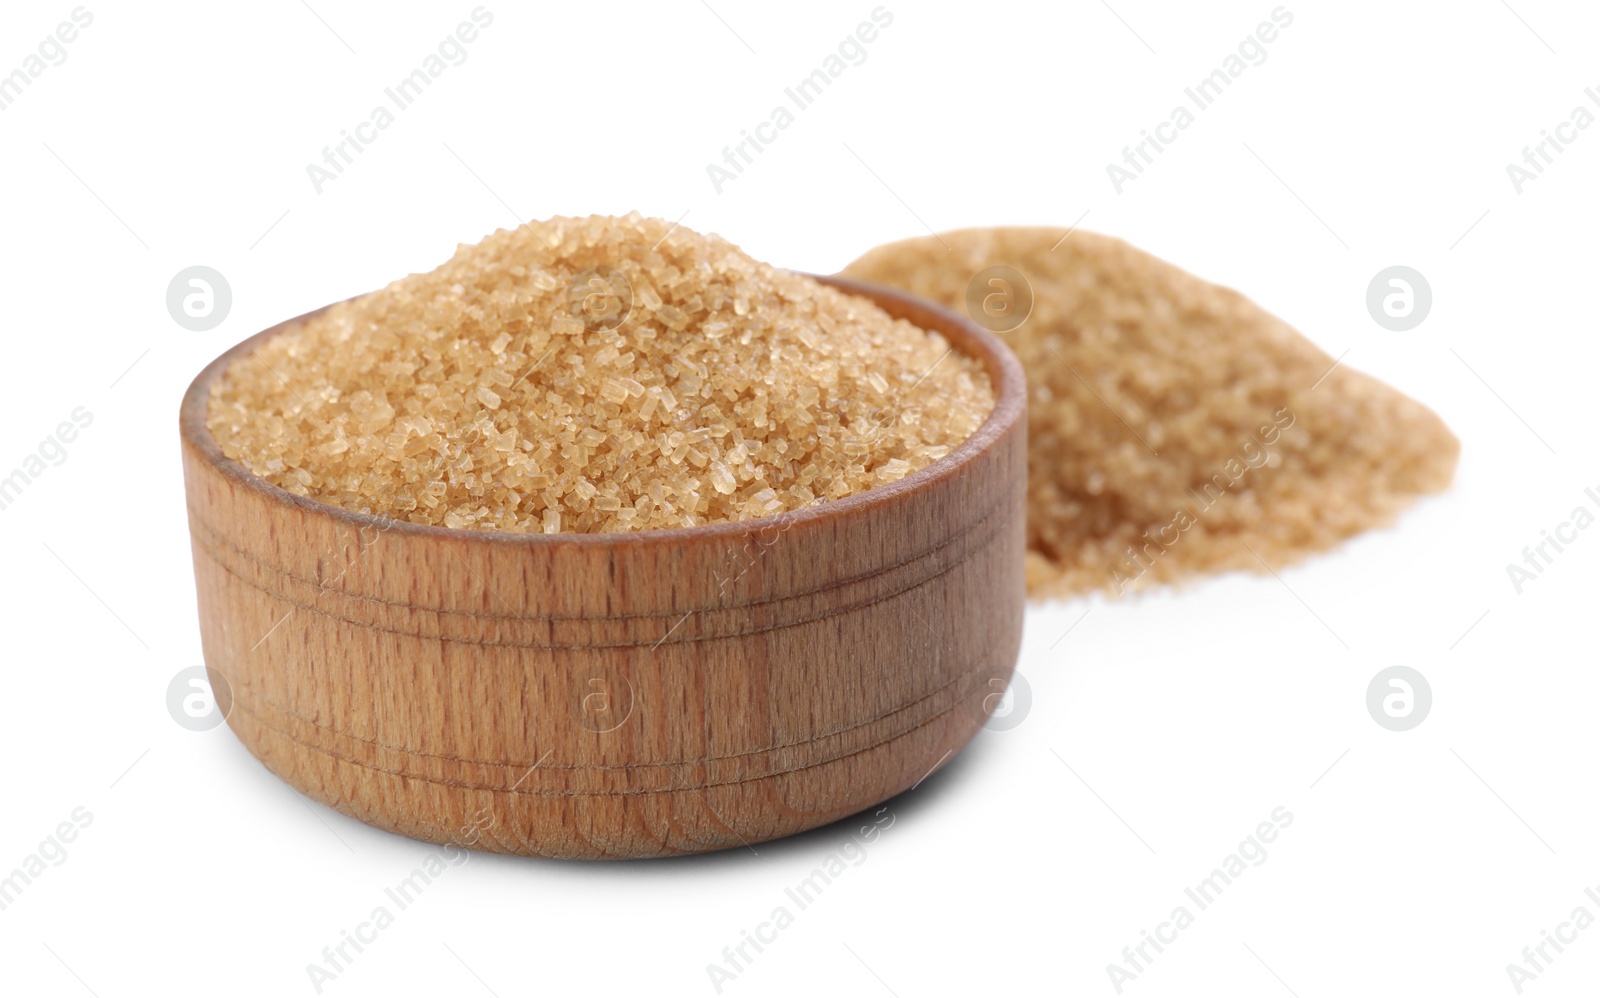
<point>602,696</point>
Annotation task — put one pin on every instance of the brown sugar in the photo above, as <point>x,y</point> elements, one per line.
<point>596,374</point>
<point>1174,427</point>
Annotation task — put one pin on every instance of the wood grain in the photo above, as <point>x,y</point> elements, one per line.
<point>603,696</point>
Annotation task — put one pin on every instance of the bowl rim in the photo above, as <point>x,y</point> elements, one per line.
<point>1005,376</point>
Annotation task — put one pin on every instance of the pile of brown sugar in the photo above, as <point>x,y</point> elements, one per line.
<point>1174,427</point>
<point>596,374</point>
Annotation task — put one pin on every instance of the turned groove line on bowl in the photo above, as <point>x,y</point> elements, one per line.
<point>798,743</point>
<point>990,522</point>
<point>626,767</point>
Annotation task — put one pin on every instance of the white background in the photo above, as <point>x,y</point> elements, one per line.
<point>1162,730</point>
